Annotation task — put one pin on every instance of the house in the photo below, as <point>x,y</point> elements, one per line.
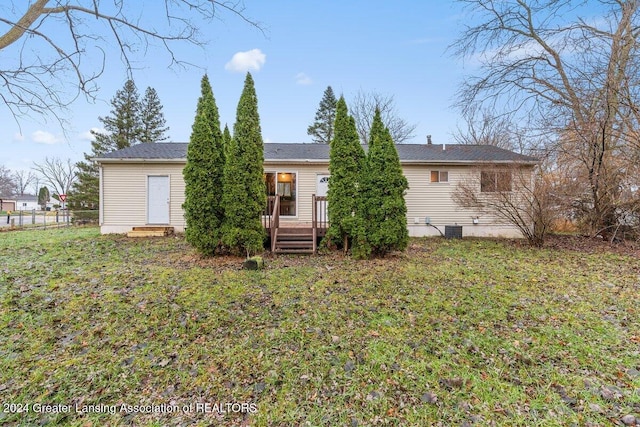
<point>26,202</point>
<point>7,203</point>
<point>143,185</point>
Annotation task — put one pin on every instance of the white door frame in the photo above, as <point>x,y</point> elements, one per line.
<point>158,199</point>
<point>320,176</point>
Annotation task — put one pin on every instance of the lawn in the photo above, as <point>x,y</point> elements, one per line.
<point>114,331</point>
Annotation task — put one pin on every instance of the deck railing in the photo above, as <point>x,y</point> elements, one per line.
<point>275,222</point>
<point>319,215</point>
<point>320,218</point>
<point>268,212</point>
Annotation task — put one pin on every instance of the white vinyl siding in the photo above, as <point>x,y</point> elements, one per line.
<point>124,197</point>
<point>124,191</point>
<point>435,202</point>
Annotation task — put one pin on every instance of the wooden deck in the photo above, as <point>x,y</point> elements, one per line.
<point>295,238</point>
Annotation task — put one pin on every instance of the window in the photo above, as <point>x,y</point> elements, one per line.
<point>283,184</point>
<point>439,176</point>
<point>495,181</point>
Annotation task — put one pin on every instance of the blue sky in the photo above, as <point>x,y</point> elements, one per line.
<point>395,48</point>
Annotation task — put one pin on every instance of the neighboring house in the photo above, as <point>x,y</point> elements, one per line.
<point>7,203</point>
<point>26,202</point>
<point>143,185</point>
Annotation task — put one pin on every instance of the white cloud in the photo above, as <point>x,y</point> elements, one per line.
<point>303,79</point>
<point>44,137</point>
<point>88,136</point>
<point>242,62</point>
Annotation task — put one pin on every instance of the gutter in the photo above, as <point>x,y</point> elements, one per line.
<point>135,160</point>
<point>326,161</point>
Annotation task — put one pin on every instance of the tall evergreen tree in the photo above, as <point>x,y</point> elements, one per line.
<point>152,122</point>
<point>203,176</point>
<point>122,129</point>
<point>244,197</point>
<point>322,127</point>
<point>346,160</point>
<point>382,205</point>
<point>43,197</point>
<point>226,138</point>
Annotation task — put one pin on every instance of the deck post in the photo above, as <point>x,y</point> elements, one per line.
<point>314,222</point>
<point>275,223</point>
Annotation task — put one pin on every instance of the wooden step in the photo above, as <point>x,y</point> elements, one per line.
<point>294,244</point>
<point>150,231</point>
<point>294,251</point>
<point>154,228</point>
<point>294,240</point>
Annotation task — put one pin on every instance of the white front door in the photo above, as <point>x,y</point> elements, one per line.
<point>158,200</point>
<point>322,185</point>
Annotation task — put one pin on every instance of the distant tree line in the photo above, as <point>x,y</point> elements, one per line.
<point>133,120</point>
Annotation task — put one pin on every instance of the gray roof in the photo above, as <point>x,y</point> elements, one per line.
<point>20,198</point>
<point>409,153</point>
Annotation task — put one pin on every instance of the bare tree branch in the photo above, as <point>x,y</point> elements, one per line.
<point>7,182</point>
<point>23,179</point>
<point>57,174</point>
<point>577,82</point>
<point>54,49</point>
<point>363,107</point>
<point>524,198</point>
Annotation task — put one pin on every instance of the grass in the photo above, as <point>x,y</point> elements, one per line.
<point>450,332</point>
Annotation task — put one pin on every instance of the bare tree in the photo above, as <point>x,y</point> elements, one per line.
<point>576,80</point>
<point>484,127</point>
<point>7,182</point>
<point>55,44</point>
<point>520,196</point>
<point>57,174</point>
<point>363,108</point>
<point>36,184</point>
<point>23,179</point>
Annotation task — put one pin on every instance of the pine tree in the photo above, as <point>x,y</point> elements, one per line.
<point>322,127</point>
<point>226,138</point>
<point>346,160</point>
<point>244,195</point>
<point>122,129</point>
<point>43,197</point>
<point>203,176</point>
<point>152,121</point>
<point>383,209</point>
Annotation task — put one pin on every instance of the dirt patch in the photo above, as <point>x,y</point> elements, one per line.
<point>592,245</point>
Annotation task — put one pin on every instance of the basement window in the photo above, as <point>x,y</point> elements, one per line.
<point>439,176</point>
<point>283,184</point>
<point>495,181</point>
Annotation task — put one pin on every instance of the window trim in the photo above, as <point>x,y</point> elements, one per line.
<point>440,180</point>
<point>295,190</point>
<point>496,185</point>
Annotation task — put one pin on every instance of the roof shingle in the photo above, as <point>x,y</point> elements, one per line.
<point>409,153</point>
